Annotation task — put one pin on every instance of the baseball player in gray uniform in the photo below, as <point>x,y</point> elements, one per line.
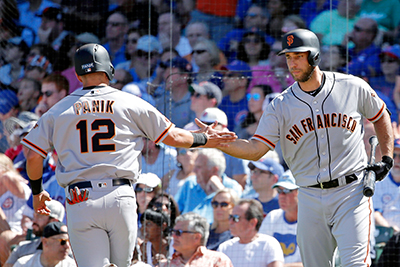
<point>318,121</point>
<point>97,133</point>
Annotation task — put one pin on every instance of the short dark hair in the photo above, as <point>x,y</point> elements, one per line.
<point>60,81</point>
<point>156,217</point>
<point>255,210</point>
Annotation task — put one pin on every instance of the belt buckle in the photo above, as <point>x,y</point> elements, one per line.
<point>321,185</point>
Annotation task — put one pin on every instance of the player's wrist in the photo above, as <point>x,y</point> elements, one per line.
<point>199,139</point>
<point>36,186</point>
<point>388,160</point>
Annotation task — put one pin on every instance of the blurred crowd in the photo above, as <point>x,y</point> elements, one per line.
<point>211,60</point>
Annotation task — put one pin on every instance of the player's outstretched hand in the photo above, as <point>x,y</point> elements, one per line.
<point>381,168</point>
<point>215,138</point>
<point>39,204</point>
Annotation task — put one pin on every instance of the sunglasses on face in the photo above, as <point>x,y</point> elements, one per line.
<point>115,24</point>
<point>258,172</point>
<point>250,40</point>
<point>160,205</point>
<point>180,232</point>
<point>359,29</point>
<point>133,41</point>
<point>388,60</point>
<point>223,204</point>
<point>183,151</point>
<point>146,189</point>
<point>62,241</point>
<point>283,191</point>
<point>255,97</point>
<point>253,15</point>
<point>199,51</point>
<point>234,218</point>
<point>145,54</point>
<point>48,93</point>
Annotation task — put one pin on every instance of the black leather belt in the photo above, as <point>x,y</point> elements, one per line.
<point>335,183</point>
<point>87,184</point>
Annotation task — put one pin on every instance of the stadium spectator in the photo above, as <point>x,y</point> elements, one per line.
<point>54,88</point>
<point>264,174</point>
<point>51,30</point>
<point>256,17</point>
<point>332,27</point>
<point>155,226</point>
<point>206,56</point>
<point>38,67</point>
<point>222,203</point>
<point>390,66</point>
<point>278,10</point>
<point>292,22</point>
<point>282,223</point>
<point>166,203</point>
<point>253,49</point>
<point>157,158</point>
<point>255,101</point>
<point>57,212</point>
<point>275,74</point>
<point>116,30</point>
<point>174,179</point>
<point>197,192</point>
<point>190,235</point>
<point>55,249</point>
<point>14,56</point>
<point>28,94</point>
<point>249,247</point>
<point>387,195</point>
<point>9,107</point>
<point>333,58</point>
<point>365,54</point>
<point>177,79</point>
<point>391,252</point>
<point>121,78</point>
<point>310,9</point>
<point>169,34</point>
<point>236,81</point>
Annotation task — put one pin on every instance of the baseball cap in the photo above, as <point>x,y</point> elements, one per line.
<point>57,210</point>
<point>18,41</point>
<point>41,62</point>
<point>23,119</point>
<point>256,31</point>
<point>240,67</point>
<point>180,63</point>
<point>267,164</point>
<point>52,229</point>
<point>397,143</point>
<point>8,100</point>
<point>286,180</point>
<point>392,51</point>
<point>148,43</point>
<point>149,179</point>
<point>207,88</point>
<point>211,115</point>
<point>52,13</point>
<point>87,38</point>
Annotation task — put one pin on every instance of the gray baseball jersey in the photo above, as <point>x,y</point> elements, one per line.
<point>97,134</point>
<point>322,136</point>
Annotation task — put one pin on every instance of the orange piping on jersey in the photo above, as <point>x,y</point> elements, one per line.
<point>163,134</point>
<point>264,139</point>
<point>369,229</point>
<point>377,115</point>
<point>36,147</point>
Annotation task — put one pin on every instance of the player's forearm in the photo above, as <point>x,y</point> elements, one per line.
<point>34,165</point>
<point>246,149</point>
<point>384,132</point>
<point>179,138</point>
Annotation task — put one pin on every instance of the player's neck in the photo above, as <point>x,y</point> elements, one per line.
<point>314,82</point>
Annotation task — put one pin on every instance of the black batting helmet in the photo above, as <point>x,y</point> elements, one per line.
<point>301,40</point>
<point>91,58</point>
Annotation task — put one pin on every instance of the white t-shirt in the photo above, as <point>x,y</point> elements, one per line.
<point>276,225</point>
<point>33,260</point>
<point>258,253</point>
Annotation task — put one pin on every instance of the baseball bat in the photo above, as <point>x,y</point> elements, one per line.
<point>370,177</point>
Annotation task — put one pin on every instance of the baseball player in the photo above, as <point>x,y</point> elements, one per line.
<point>318,121</point>
<point>97,133</point>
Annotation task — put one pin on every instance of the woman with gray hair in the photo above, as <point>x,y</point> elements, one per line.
<point>222,203</point>
<point>206,56</point>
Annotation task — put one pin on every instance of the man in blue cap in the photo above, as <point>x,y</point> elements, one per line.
<point>264,174</point>
<point>8,108</point>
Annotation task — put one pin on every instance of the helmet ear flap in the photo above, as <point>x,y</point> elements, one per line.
<point>112,72</point>
<point>314,59</point>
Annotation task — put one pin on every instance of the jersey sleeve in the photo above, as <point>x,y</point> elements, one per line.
<point>38,139</point>
<point>371,106</point>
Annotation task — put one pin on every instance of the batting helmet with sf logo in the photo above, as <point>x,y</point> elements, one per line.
<point>301,40</point>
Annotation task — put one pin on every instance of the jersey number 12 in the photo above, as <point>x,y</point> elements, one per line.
<point>82,127</point>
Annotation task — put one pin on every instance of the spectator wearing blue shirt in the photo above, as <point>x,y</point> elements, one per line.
<point>198,191</point>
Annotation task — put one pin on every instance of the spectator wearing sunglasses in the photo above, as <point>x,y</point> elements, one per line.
<point>206,56</point>
<point>253,49</point>
<point>190,235</point>
<point>55,245</point>
<point>54,88</point>
<point>222,203</point>
<point>255,100</point>
<point>264,174</point>
<point>116,29</point>
<point>166,203</point>
<point>249,247</point>
<point>282,223</point>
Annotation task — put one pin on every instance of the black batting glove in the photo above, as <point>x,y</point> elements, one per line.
<point>381,168</point>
